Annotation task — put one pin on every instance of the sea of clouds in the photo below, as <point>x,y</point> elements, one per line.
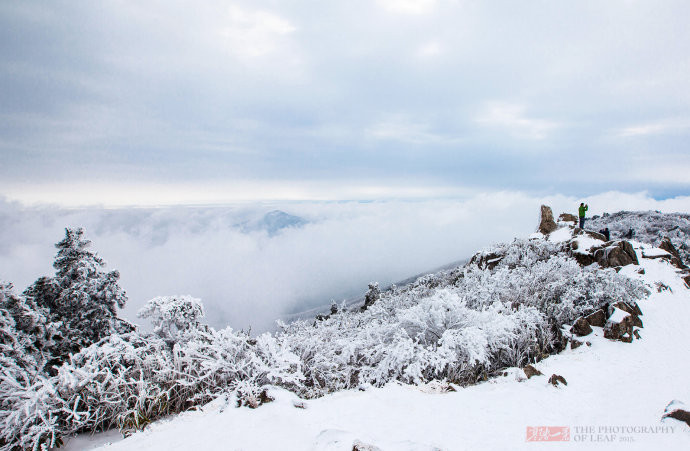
<point>248,277</point>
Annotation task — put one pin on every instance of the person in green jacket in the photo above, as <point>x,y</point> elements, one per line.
<point>583,208</point>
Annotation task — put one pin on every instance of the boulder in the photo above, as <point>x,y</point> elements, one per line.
<point>567,217</point>
<point>620,253</point>
<point>546,222</point>
<point>581,327</point>
<point>555,379</point>
<point>531,371</point>
<point>633,310</point>
<point>574,344</point>
<point>619,327</point>
<point>677,410</point>
<point>630,307</point>
<point>597,318</point>
<point>675,259</point>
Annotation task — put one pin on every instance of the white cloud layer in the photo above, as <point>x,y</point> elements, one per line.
<point>251,278</point>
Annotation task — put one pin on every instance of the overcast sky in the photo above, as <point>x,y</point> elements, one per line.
<point>131,102</point>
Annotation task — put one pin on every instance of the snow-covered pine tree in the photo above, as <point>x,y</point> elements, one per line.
<point>81,297</point>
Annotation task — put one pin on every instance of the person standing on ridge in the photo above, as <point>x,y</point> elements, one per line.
<point>583,208</point>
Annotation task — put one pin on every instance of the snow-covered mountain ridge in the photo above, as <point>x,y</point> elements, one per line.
<point>334,382</point>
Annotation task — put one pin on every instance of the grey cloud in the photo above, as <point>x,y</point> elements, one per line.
<point>124,91</point>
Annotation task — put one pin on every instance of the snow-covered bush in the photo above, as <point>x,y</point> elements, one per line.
<point>211,362</point>
<point>648,227</point>
<point>461,325</point>
<point>31,411</point>
<point>173,316</point>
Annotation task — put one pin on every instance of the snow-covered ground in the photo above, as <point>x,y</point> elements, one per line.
<point>615,397</point>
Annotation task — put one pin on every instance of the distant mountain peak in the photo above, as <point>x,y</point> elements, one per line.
<point>273,222</point>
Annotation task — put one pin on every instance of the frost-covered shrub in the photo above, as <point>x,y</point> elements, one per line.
<point>31,411</point>
<point>212,362</point>
<point>122,381</point>
<point>173,316</point>
<point>461,325</point>
<point>649,227</point>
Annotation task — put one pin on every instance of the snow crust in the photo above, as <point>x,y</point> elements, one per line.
<point>560,235</point>
<point>585,243</point>
<point>618,315</point>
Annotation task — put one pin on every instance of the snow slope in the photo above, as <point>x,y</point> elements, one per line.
<point>615,398</point>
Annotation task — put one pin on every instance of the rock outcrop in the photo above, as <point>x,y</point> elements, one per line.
<point>581,327</point>
<point>615,255</point>
<point>677,410</point>
<point>619,327</point>
<point>675,259</point>
<point>546,222</point>
<point>597,318</point>
<point>567,217</point>
<point>556,379</point>
<point>486,261</point>
<point>531,371</point>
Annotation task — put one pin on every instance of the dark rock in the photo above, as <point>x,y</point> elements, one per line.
<point>582,259</point>
<point>677,411</point>
<point>555,379</point>
<point>595,235</point>
<point>620,253</point>
<point>574,344</point>
<point>265,398</point>
<point>546,222</point>
<point>641,271</point>
<point>622,331</point>
<point>581,327</point>
<point>636,333</point>
<point>559,341</point>
<point>531,371</point>
<point>636,321</point>
<point>680,415</point>
<point>359,446</point>
<point>486,261</point>
<point>597,318</point>
<point>660,286</point>
<point>671,249</point>
<point>631,308</point>
<point>567,217</point>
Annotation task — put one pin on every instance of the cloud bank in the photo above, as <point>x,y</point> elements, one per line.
<point>248,277</point>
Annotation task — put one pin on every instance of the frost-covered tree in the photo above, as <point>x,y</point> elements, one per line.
<point>173,317</point>
<point>81,297</point>
<point>373,294</point>
<point>28,324</point>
